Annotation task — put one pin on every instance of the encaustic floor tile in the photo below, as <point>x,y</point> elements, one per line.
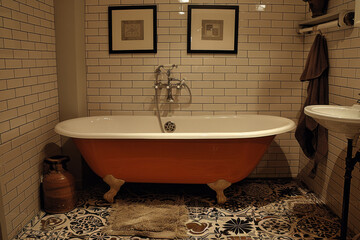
<point>255,209</point>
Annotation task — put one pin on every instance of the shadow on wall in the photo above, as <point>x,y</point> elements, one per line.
<point>181,102</point>
<point>274,161</point>
<point>337,179</point>
<point>51,149</point>
<point>74,166</point>
<point>84,176</point>
<point>89,178</point>
<point>330,184</point>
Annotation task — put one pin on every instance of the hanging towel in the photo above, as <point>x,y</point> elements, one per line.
<point>312,137</point>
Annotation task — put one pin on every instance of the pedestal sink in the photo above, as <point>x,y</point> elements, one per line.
<point>341,119</point>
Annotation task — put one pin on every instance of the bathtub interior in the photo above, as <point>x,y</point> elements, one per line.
<point>218,124</point>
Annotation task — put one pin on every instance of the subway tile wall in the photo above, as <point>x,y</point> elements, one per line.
<point>344,87</point>
<point>263,77</point>
<point>28,104</point>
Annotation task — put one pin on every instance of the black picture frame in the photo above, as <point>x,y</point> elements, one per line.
<point>132,29</point>
<point>212,29</point>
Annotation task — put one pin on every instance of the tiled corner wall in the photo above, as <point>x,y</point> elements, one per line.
<point>344,87</point>
<point>28,104</point>
<point>263,77</point>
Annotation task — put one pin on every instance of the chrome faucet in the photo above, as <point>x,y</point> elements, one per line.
<point>169,98</point>
<point>170,81</point>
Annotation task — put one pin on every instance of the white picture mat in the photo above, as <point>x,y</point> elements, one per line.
<point>132,14</point>
<point>228,16</point>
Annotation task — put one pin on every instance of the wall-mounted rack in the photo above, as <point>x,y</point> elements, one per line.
<point>339,19</point>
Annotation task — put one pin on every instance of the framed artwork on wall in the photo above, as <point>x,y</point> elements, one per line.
<point>132,29</point>
<point>212,29</point>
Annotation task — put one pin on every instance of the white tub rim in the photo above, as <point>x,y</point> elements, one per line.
<point>288,125</point>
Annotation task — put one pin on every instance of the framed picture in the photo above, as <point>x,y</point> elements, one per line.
<point>132,29</point>
<point>212,29</point>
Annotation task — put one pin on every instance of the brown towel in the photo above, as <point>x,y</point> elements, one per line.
<point>312,137</point>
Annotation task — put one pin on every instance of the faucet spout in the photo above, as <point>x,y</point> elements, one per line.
<point>170,97</point>
<point>170,100</point>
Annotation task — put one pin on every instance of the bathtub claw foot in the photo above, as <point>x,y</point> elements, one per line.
<point>115,185</point>
<point>219,186</point>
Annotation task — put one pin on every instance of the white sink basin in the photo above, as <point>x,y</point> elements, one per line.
<point>341,119</point>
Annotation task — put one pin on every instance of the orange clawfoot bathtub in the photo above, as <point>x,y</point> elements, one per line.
<point>218,151</point>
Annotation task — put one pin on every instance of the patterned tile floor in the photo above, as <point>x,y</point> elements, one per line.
<point>256,209</point>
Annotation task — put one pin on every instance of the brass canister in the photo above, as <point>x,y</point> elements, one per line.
<point>58,186</point>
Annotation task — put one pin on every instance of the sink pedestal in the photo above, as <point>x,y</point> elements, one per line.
<point>350,164</point>
<point>346,120</point>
